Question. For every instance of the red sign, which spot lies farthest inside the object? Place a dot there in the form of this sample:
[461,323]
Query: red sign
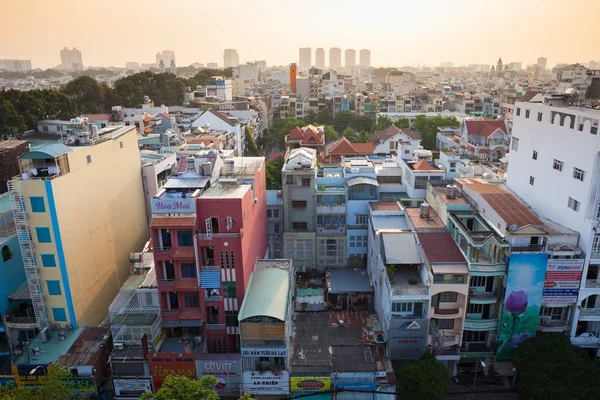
[312,385]
[163,365]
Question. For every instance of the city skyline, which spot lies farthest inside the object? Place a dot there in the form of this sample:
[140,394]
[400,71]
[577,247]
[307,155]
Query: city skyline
[521,43]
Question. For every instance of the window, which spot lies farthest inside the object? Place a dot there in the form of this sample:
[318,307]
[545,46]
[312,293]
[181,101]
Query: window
[531,180]
[299,226]
[229,290]
[43,235]
[59,314]
[407,151]
[191,300]
[305,181]
[89,159]
[578,174]
[188,270]
[54,288]
[48,260]
[269,214]
[276,228]
[362,219]
[7,253]
[298,204]
[37,204]
[475,309]
[573,204]
[289,180]
[402,307]
[448,297]
[443,323]
[475,336]
[184,238]
[480,281]
[557,165]
[389,179]
[515,144]
[352,241]
[540,117]
[121,144]
[518,111]
[554,313]
[275,213]
[535,154]
[527,113]
[231,318]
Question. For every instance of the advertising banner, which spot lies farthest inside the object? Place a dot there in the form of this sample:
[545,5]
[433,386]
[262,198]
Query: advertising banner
[264,352]
[407,338]
[563,277]
[173,206]
[521,308]
[310,383]
[29,374]
[266,383]
[132,387]
[354,385]
[227,368]
[163,365]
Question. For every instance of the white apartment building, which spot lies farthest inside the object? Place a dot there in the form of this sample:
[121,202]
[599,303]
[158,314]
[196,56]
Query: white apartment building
[350,58]
[305,59]
[247,72]
[70,59]
[335,58]
[231,58]
[555,167]
[320,58]
[365,58]
[16,65]
[220,87]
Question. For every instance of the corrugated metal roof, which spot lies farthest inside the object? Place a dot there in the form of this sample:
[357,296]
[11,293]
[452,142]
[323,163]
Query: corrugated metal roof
[50,150]
[187,181]
[400,248]
[450,269]
[348,280]
[172,222]
[267,295]
[439,247]
[357,180]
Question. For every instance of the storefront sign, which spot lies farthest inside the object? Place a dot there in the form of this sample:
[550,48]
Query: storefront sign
[266,383]
[354,385]
[563,277]
[227,368]
[310,383]
[24,376]
[132,387]
[163,365]
[264,352]
[407,338]
[81,386]
[173,206]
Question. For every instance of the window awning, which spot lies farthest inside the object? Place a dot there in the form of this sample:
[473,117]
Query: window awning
[365,180]
[450,269]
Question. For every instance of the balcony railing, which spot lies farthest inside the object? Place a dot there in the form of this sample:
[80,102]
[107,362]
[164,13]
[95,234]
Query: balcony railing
[166,281]
[589,312]
[215,327]
[210,268]
[170,312]
[212,299]
[476,295]
[206,236]
[550,323]
[481,324]
[592,283]
[20,319]
[529,248]
[445,313]
[162,249]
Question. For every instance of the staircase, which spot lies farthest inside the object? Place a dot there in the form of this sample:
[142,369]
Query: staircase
[17,202]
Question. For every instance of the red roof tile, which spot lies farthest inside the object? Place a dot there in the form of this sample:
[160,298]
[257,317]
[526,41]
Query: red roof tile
[311,137]
[412,134]
[344,146]
[423,166]
[485,128]
[296,133]
[439,247]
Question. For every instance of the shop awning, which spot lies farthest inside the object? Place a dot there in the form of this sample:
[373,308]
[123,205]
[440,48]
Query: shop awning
[450,269]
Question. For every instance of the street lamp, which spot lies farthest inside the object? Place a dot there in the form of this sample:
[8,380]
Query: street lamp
[479,361]
[33,371]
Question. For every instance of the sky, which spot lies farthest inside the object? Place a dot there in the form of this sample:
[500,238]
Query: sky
[398,32]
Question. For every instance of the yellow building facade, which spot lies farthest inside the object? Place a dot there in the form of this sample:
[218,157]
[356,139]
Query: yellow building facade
[86,214]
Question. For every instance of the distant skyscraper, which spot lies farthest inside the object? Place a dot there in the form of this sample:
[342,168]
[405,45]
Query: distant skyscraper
[172,67]
[335,57]
[132,65]
[70,59]
[17,65]
[365,58]
[212,65]
[350,58]
[158,59]
[231,58]
[166,56]
[542,61]
[305,61]
[320,58]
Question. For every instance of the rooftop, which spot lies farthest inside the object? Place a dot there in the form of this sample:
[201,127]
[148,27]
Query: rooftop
[440,247]
[385,206]
[400,248]
[389,223]
[267,295]
[87,348]
[348,280]
[50,351]
[424,223]
[226,190]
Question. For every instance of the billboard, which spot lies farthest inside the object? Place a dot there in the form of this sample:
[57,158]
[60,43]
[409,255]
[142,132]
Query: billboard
[173,206]
[310,383]
[563,277]
[163,365]
[523,299]
[266,383]
[227,368]
[407,338]
[131,387]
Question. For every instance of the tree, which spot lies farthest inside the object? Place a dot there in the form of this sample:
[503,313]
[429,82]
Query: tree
[427,127]
[183,388]
[382,123]
[343,120]
[550,368]
[402,123]
[54,386]
[350,135]
[273,173]
[11,122]
[363,137]
[87,93]
[424,379]
[325,117]
[311,117]
[251,148]
[330,134]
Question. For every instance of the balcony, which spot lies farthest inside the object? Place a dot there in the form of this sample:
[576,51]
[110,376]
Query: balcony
[204,237]
[481,324]
[550,325]
[213,299]
[168,253]
[210,268]
[493,270]
[589,314]
[592,284]
[167,285]
[15,319]
[331,208]
[446,313]
[186,283]
[532,248]
[215,327]
[477,297]
[332,229]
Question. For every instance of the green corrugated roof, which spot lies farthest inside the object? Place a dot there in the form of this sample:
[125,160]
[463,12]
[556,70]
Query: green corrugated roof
[50,150]
[267,295]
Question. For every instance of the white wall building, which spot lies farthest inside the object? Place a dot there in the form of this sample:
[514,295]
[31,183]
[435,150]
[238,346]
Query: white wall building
[246,72]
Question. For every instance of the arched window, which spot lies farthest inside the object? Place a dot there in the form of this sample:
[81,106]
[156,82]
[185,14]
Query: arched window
[7,253]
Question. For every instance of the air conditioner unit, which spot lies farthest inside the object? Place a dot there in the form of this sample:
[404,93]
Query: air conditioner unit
[118,346]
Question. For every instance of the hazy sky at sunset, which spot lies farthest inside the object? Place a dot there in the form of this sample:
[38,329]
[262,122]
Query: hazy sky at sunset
[398,32]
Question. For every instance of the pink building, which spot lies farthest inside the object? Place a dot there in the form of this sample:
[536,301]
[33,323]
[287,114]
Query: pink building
[209,226]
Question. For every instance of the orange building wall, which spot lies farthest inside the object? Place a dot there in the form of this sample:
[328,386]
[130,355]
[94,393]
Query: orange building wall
[293,74]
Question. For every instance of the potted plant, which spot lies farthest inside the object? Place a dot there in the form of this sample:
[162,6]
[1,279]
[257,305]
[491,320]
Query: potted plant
[390,269]
[413,281]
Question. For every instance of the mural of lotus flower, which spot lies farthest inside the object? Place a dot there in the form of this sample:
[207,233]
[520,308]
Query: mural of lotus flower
[516,302]
[518,339]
